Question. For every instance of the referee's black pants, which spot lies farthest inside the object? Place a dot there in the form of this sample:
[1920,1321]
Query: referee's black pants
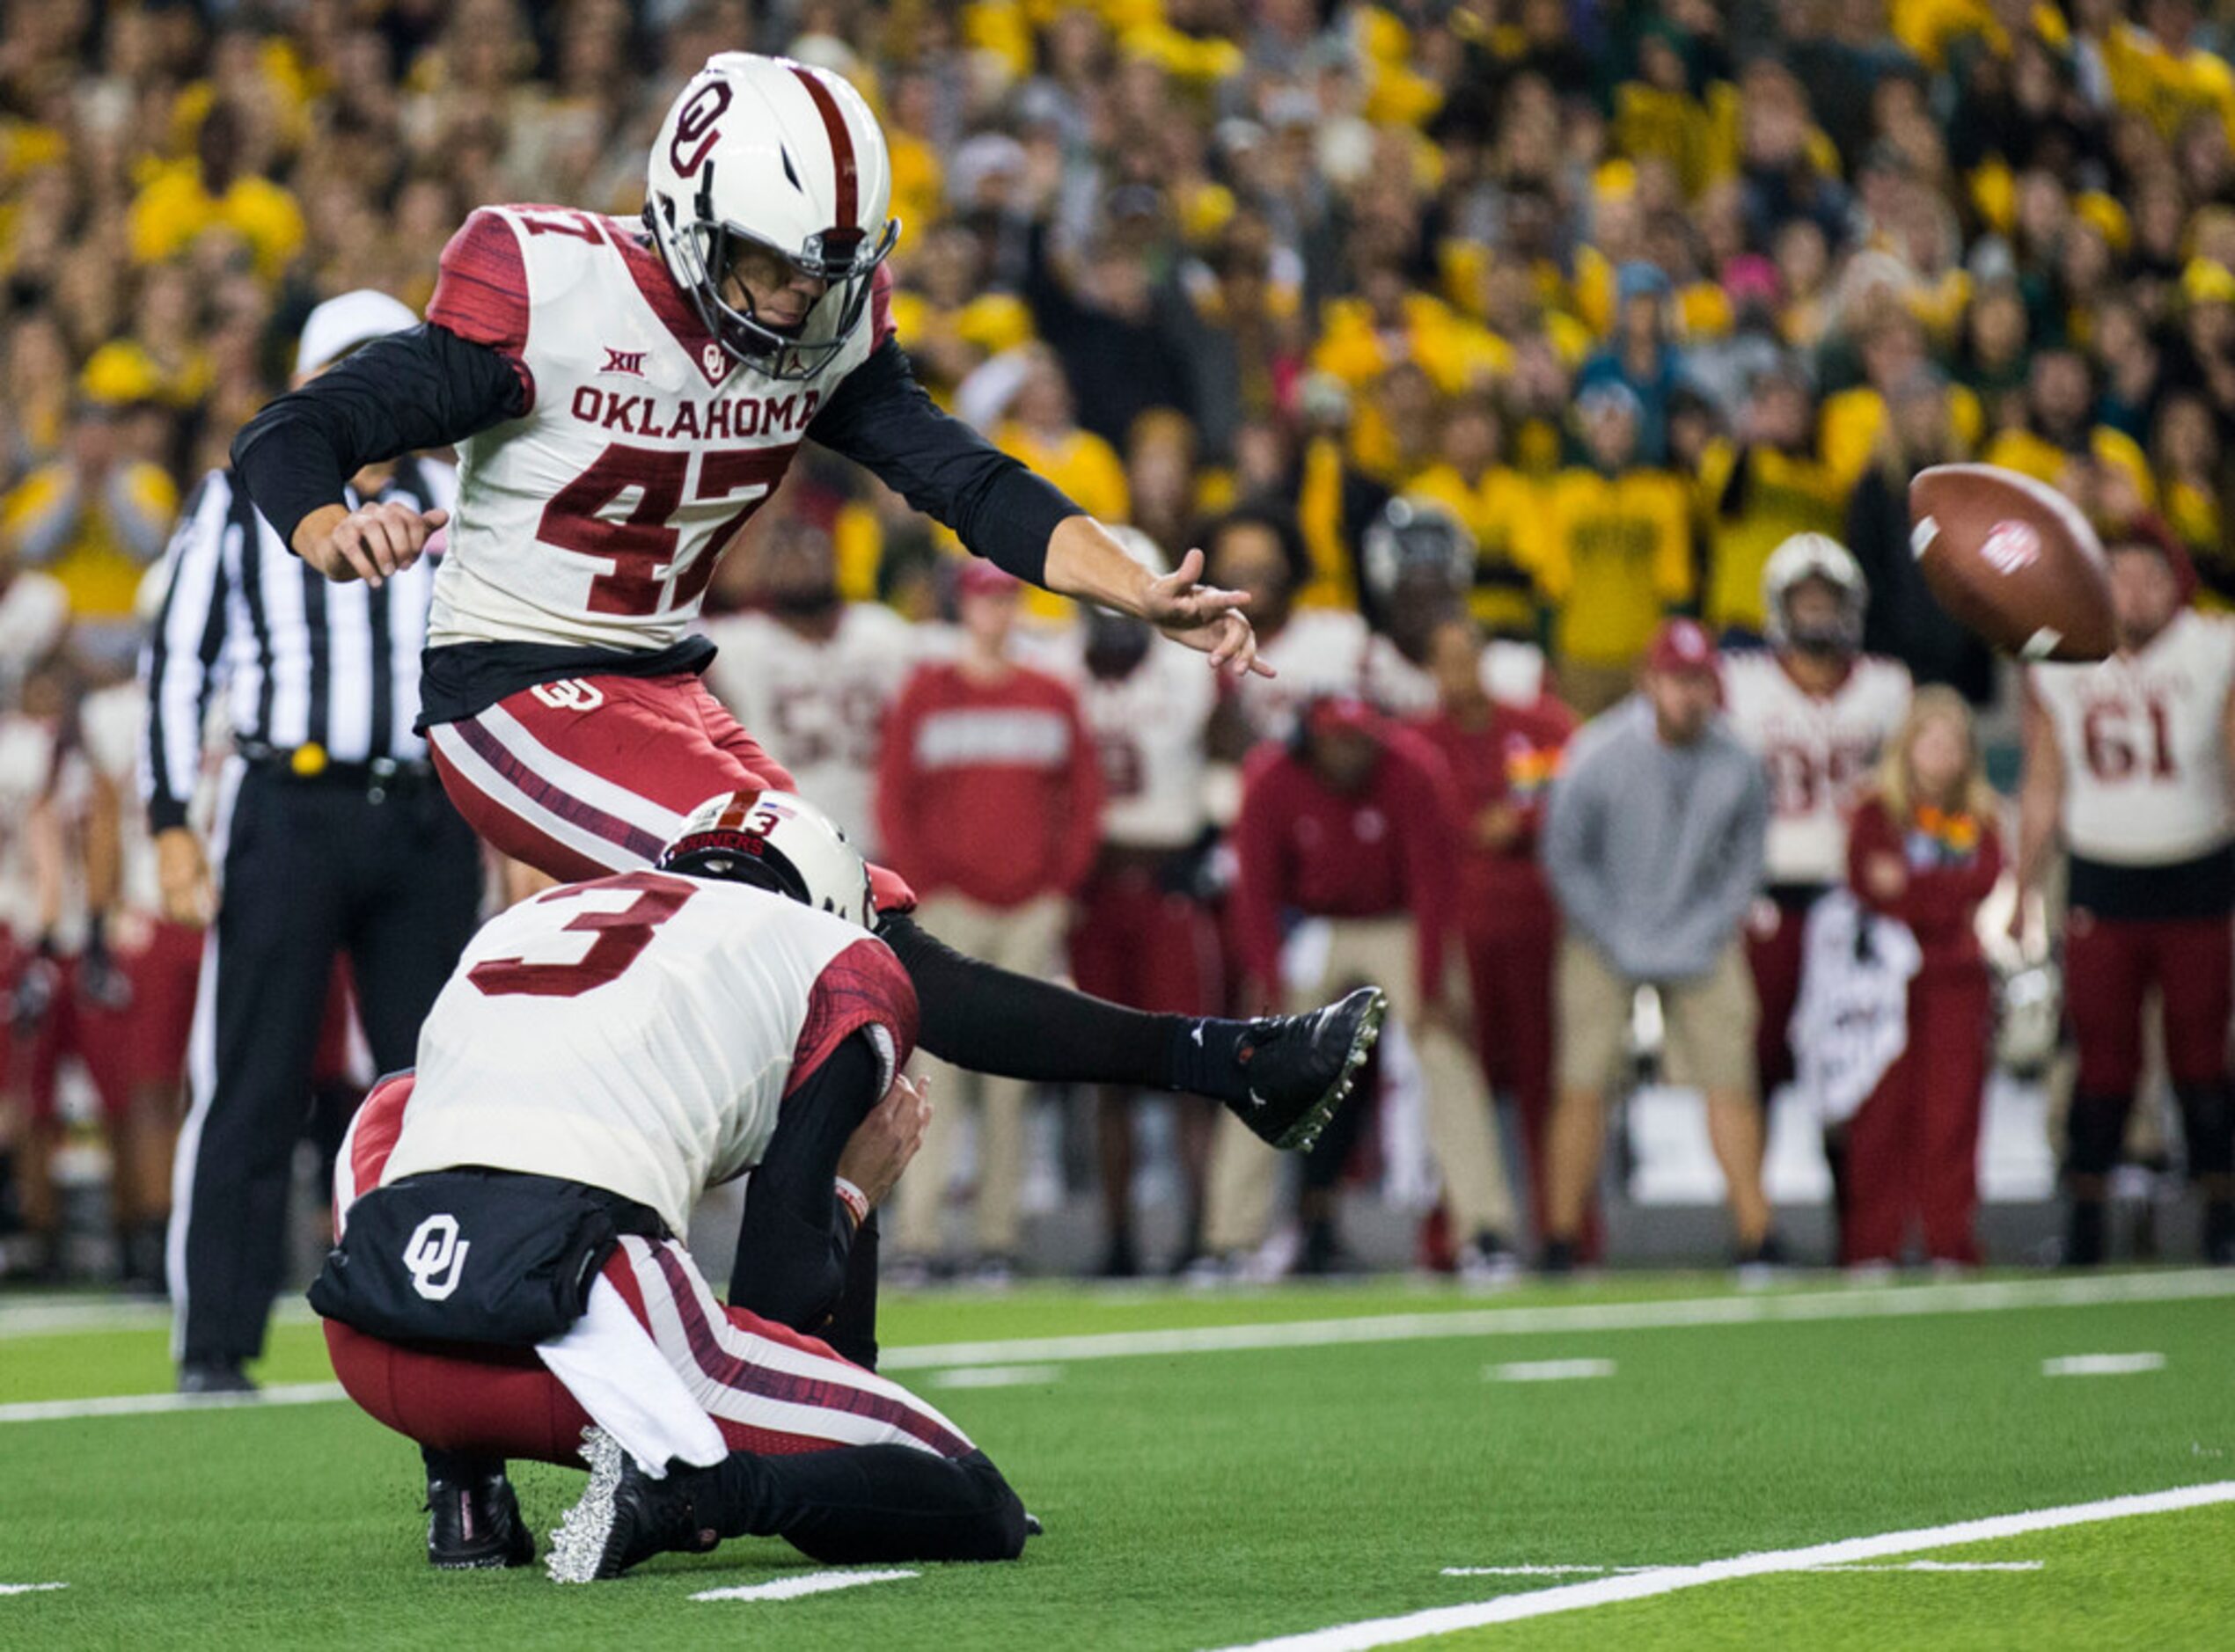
[312,868]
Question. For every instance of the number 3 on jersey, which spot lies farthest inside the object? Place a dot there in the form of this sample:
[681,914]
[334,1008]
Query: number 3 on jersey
[643,578]
[620,936]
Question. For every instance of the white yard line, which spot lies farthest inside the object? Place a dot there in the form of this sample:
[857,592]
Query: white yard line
[805,1583]
[68,1315]
[1548,1371]
[135,1405]
[2102,1364]
[1666,1580]
[1676,1313]
[1940,1566]
[1846,1302]
[995,1376]
[29,1588]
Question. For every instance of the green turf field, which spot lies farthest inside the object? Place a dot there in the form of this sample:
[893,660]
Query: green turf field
[1218,1470]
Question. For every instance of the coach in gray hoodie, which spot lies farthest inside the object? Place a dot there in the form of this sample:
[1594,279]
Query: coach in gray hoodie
[1653,847]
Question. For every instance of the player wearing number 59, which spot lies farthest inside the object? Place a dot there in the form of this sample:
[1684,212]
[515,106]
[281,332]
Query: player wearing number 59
[2130,762]
[623,396]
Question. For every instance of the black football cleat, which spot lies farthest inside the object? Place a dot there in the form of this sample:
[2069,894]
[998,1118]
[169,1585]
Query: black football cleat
[214,1376]
[1299,1068]
[625,1516]
[473,1521]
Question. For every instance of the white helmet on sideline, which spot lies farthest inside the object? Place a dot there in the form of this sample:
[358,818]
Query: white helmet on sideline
[1813,556]
[777,841]
[787,157]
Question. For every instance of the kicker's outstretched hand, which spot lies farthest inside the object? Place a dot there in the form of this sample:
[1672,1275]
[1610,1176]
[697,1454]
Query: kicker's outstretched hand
[1203,618]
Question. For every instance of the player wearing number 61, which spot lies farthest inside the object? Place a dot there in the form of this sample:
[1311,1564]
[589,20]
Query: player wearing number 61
[2130,764]
[623,396]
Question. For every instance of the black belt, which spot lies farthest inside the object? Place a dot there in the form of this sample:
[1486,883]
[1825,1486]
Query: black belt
[378,779]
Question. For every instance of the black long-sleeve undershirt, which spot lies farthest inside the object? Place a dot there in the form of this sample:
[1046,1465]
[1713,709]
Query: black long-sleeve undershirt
[797,1243]
[430,388]
[426,387]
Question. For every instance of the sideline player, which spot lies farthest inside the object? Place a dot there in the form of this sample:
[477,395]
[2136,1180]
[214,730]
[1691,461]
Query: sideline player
[623,398]
[536,1146]
[1816,710]
[2129,762]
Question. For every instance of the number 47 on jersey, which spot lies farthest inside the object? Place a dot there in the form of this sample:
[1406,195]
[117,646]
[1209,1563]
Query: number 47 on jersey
[644,577]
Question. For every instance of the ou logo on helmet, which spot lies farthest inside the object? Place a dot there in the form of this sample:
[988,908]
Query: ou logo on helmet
[694,124]
[435,1257]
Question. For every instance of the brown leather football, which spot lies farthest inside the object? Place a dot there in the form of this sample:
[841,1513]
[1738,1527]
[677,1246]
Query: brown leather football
[2013,559]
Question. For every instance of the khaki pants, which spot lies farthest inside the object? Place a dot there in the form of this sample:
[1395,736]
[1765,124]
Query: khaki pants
[1709,1021]
[1019,937]
[1461,1133]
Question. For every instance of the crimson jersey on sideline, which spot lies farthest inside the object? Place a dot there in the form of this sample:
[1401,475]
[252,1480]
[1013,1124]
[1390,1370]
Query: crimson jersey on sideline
[990,789]
[1385,850]
[1510,759]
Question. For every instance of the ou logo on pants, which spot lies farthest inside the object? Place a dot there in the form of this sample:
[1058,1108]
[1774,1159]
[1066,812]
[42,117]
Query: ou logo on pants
[569,694]
[435,1256]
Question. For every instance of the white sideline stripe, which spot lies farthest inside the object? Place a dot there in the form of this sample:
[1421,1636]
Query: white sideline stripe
[1887,1302]
[806,1583]
[29,1588]
[1594,1571]
[134,1405]
[1538,1571]
[64,1315]
[1846,1302]
[1548,1371]
[2102,1364]
[1940,1566]
[995,1376]
[1668,1580]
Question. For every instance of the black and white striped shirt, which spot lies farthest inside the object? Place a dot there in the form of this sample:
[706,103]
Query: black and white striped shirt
[303,662]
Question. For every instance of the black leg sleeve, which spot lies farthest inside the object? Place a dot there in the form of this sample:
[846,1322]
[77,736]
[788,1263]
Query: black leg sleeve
[794,1245]
[991,1020]
[866,1503]
[2208,1123]
[2095,1131]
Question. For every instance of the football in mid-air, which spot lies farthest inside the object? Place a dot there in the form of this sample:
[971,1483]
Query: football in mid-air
[2013,559]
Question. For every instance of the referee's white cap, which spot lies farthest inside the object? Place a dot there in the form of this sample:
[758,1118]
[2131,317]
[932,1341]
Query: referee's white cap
[341,325]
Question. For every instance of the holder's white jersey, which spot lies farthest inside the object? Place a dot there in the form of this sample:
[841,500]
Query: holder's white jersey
[638,1032]
[1817,749]
[818,704]
[1148,728]
[595,518]
[2143,742]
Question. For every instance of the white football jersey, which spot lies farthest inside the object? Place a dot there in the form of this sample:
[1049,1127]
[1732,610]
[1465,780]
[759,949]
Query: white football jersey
[1148,728]
[1512,673]
[1319,651]
[595,518]
[2146,756]
[638,1034]
[818,704]
[113,722]
[1817,749]
[28,762]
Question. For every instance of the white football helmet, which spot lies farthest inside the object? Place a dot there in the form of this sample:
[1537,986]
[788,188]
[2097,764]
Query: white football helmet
[788,157]
[1813,556]
[779,841]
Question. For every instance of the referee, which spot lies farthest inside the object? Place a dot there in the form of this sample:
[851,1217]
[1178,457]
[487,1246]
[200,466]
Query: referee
[332,836]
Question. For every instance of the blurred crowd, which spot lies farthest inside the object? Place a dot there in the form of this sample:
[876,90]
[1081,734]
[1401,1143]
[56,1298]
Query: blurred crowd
[1475,340]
